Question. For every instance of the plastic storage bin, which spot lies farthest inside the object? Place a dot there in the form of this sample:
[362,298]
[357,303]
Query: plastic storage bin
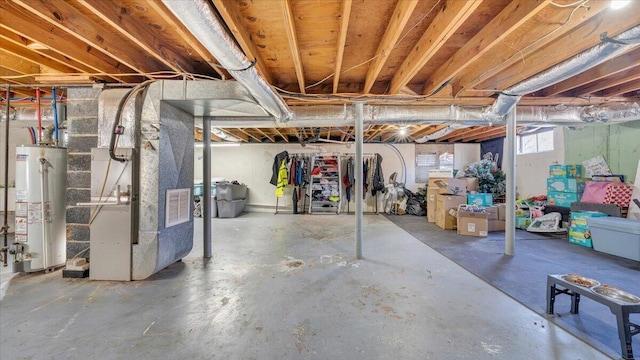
[230,209]
[616,236]
[229,192]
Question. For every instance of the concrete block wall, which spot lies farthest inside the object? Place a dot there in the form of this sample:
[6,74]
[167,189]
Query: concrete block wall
[82,128]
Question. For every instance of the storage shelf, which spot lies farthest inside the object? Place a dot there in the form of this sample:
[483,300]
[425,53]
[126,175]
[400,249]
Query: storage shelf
[319,203]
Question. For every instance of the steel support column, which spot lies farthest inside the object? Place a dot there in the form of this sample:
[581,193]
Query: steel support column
[206,171]
[510,170]
[359,106]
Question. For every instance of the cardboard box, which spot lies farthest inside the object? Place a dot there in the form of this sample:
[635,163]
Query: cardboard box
[497,225]
[569,171]
[452,186]
[473,223]
[472,183]
[562,199]
[444,218]
[432,198]
[481,199]
[432,182]
[492,211]
[579,218]
[502,211]
[447,220]
[570,185]
[580,235]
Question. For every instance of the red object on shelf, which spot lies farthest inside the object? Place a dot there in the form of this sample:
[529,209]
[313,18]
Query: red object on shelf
[619,194]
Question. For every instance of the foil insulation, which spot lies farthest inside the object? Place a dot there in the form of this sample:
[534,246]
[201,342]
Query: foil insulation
[200,19]
[572,67]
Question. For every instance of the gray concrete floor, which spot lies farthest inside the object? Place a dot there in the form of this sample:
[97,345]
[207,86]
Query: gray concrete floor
[282,287]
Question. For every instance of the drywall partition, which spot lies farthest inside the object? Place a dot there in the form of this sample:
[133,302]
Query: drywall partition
[251,164]
[533,169]
[619,144]
[465,154]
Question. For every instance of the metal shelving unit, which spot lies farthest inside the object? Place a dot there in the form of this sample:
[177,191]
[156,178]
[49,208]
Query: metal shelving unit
[325,189]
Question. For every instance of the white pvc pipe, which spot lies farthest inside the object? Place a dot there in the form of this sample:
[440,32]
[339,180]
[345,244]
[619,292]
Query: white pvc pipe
[510,170]
[359,106]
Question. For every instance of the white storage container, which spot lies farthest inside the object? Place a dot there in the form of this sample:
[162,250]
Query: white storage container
[230,209]
[228,191]
[616,236]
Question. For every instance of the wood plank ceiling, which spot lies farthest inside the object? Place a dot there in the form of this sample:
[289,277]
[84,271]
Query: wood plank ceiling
[427,52]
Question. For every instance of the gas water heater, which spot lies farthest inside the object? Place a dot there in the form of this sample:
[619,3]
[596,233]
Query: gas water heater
[40,211]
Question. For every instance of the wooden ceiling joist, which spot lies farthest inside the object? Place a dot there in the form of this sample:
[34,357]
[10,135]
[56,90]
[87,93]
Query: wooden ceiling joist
[242,36]
[554,24]
[342,39]
[626,76]
[451,16]
[630,86]
[581,39]
[186,36]
[508,21]
[399,19]
[612,67]
[458,134]
[284,137]
[264,133]
[485,133]
[293,44]
[250,133]
[73,22]
[19,65]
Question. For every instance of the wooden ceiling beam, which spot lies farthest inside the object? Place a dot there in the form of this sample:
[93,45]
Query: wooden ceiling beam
[263,133]
[235,134]
[234,22]
[293,43]
[461,135]
[622,63]
[285,138]
[399,19]
[609,82]
[374,132]
[70,20]
[15,77]
[17,64]
[57,40]
[428,130]
[198,134]
[138,33]
[12,43]
[492,34]
[581,39]
[554,24]
[246,131]
[451,16]
[342,40]
[486,133]
[632,85]
[187,36]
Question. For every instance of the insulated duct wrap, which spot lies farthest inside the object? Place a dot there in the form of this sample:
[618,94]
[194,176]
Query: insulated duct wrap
[572,67]
[30,113]
[199,18]
[340,115]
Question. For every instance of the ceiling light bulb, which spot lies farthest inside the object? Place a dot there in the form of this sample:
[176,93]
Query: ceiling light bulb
[403,131]
[619,4]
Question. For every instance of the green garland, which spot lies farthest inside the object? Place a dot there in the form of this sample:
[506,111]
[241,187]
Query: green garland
[490,179]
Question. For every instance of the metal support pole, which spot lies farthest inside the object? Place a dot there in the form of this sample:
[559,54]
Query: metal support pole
[5,226]
[206,170]
[510,170]
[359,106]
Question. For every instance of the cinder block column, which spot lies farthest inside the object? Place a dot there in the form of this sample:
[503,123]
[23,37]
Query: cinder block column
[82,128]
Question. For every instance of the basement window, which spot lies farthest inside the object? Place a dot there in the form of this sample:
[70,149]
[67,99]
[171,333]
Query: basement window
[535,143]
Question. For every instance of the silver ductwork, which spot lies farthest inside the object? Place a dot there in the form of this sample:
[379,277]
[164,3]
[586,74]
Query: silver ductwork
[199,18]
[587,59]
[342,115]
[30,113]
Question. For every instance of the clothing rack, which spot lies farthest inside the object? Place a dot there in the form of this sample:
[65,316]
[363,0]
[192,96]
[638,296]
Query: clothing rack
[366,156]
[303,187]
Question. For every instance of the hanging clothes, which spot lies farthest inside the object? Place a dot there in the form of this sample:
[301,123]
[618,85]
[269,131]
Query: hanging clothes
[378,178]
[295,201]
[365,171]
[283,177]
[277,161]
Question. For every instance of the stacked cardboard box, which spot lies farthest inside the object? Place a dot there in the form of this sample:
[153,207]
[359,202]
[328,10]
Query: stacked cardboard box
[564,184]
[446,208]
[579,232]
[482,220]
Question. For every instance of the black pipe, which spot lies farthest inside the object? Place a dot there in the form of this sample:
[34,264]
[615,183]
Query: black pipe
[116,122]
[5,227]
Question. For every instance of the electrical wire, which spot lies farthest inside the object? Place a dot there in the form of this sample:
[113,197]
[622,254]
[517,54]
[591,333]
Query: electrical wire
[377,55]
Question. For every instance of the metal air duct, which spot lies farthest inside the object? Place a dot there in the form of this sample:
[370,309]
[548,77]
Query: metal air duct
[609,48]
[199,18]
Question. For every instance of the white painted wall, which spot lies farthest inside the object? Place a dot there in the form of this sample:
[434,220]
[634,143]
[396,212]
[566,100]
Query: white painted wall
[532,170]
[465,154]
[18,135]
[251,164]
